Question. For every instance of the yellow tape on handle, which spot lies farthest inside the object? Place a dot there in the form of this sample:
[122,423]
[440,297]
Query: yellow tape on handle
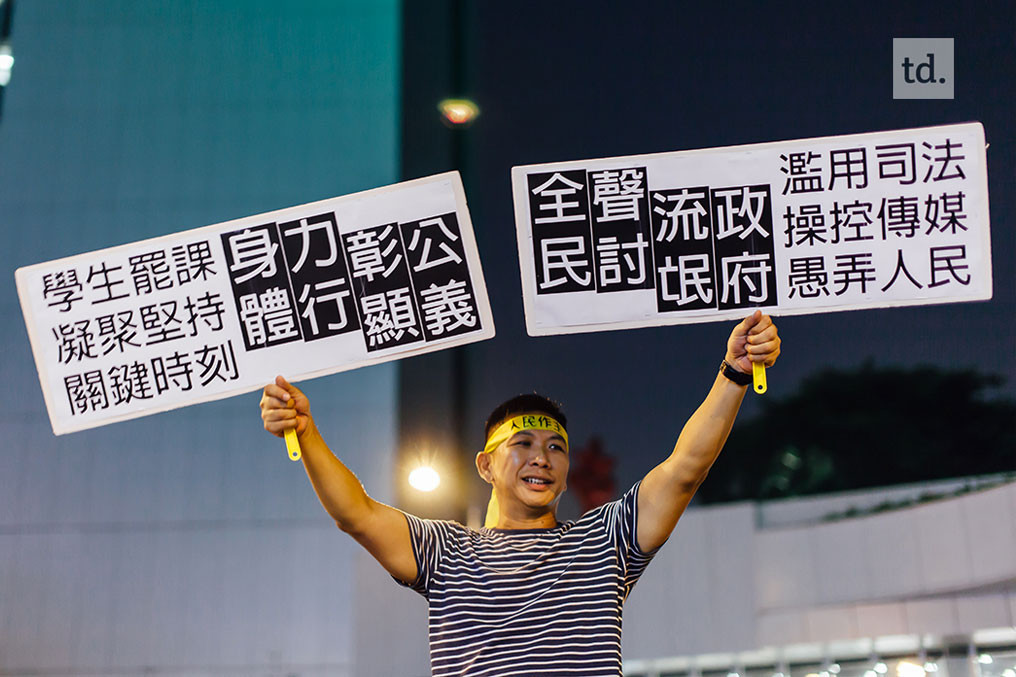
[293,445]
[758,377]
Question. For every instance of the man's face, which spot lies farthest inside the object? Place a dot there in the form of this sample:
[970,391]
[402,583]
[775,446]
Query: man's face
[530,470]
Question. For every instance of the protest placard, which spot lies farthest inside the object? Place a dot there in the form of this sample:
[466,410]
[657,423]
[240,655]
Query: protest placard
[216,311]
[884,219]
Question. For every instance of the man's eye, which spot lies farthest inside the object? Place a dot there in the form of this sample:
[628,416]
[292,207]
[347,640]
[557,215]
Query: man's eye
[524,443]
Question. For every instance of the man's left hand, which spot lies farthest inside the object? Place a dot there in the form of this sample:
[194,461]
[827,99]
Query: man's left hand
[754,339]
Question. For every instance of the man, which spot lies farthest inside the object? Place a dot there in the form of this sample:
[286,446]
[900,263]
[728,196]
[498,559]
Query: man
[527,595]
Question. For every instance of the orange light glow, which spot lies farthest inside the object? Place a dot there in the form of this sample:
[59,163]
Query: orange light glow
[458,112]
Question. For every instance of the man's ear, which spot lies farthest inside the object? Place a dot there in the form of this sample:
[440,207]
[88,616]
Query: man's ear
[483,467]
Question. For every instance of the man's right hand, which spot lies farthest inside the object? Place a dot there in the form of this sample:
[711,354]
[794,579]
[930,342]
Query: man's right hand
[284,407]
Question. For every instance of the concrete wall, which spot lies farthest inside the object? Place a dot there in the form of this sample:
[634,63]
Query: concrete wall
[721,585]
[944,568]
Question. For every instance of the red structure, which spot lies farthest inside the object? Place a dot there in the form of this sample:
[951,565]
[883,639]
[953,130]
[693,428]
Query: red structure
[592,475]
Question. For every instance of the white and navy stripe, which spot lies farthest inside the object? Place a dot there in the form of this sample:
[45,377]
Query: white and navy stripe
[529,602]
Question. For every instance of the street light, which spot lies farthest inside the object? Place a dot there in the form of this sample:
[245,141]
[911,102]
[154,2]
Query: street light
[424,478]
[6,64]
[458,112]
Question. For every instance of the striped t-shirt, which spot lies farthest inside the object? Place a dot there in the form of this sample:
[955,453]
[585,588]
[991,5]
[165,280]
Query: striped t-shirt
[529,602]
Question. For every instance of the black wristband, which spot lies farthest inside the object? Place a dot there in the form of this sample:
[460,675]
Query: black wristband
[731,374]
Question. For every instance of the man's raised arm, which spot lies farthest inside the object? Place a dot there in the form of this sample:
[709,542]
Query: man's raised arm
[668,488]
[379,528]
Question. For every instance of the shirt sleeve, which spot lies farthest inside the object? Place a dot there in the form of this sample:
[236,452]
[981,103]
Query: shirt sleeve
[430,540]
[620,518]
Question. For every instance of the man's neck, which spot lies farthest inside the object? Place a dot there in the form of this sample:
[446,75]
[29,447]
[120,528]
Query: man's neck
[546,520]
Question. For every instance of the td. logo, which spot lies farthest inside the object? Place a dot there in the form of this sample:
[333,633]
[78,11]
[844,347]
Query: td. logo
[923,68]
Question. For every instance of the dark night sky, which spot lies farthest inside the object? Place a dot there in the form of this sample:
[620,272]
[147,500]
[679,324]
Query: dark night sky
[576,80]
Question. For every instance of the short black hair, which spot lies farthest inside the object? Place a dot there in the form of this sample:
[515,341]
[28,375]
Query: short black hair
[523,404]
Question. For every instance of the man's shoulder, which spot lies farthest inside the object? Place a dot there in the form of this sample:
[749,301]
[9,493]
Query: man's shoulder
[447,526]
[602,512]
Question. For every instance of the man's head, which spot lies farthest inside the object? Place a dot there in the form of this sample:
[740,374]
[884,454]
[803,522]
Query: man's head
[525,459]
[524,404]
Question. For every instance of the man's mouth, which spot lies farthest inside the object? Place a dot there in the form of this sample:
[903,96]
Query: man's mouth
[537,481]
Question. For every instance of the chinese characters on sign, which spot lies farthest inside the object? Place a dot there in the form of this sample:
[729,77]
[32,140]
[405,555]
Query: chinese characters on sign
[153,320]
[216,311]
[870,220]
[404,283]
[918,214]
[592,230]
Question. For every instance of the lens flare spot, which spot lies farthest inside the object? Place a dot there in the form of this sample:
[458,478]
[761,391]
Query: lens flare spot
[424,478]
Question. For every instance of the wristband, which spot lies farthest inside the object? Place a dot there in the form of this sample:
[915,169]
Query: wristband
[731,374]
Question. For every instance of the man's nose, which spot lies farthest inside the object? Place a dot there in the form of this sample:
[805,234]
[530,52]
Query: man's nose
[539,457]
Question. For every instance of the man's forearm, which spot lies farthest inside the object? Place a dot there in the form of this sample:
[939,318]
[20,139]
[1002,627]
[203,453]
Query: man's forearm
[704,434]
[338,489]
[669,487]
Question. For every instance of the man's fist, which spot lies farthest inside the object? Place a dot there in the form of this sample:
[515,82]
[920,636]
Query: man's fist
[754,339]
[284,407]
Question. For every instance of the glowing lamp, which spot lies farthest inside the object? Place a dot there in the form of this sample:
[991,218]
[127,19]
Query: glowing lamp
[909,669]
[424,478]
[6,63]
[458,112]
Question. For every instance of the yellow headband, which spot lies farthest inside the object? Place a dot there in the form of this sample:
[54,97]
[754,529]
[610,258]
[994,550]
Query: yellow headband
[526,422]
[505,431]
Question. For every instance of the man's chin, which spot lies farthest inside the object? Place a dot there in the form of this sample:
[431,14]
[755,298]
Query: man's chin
[539,491]
[539,499]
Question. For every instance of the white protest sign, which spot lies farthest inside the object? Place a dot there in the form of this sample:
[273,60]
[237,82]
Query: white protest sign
[220,310]
[875,220]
